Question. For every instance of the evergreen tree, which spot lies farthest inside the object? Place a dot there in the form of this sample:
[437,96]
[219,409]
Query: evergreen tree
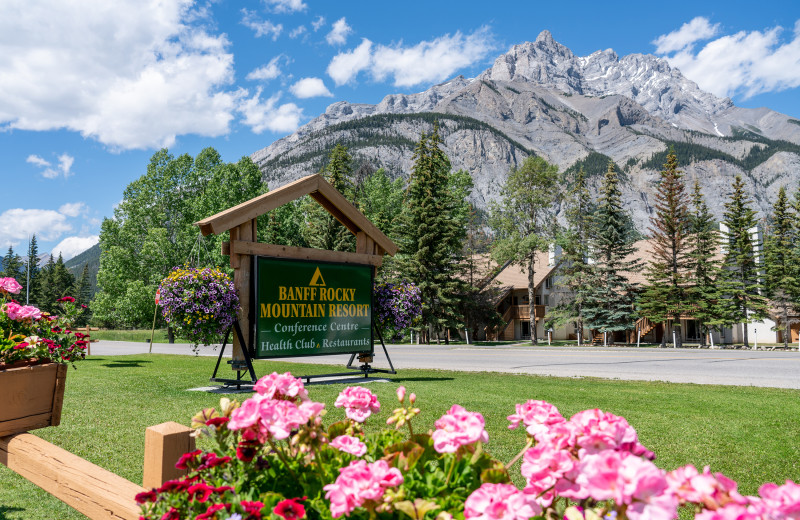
[46,286]
[523,220]
[13,267]
[609,303]
[574,271]
[665,296]
[431,238]
[32,271]
[782,266]
[743,301]
[323,230]
[83,287]
[704,265]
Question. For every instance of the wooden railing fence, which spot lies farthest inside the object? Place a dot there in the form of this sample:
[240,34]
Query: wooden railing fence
[88,488]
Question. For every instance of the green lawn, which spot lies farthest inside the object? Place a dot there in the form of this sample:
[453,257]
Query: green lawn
[750,434]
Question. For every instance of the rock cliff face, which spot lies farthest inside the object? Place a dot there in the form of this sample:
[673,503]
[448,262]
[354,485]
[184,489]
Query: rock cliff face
[539,98]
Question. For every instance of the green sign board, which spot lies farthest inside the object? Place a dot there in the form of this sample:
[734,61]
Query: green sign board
[308,308]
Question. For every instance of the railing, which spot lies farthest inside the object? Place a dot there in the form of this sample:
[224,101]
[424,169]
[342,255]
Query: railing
[523,312]
[90,489]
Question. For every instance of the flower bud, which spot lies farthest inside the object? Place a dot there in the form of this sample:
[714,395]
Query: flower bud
[401,393]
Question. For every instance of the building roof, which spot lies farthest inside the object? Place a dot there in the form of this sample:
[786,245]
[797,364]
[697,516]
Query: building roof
[513,277]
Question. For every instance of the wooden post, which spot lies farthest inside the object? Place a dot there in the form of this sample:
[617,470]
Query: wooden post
[90,489]
[163,446]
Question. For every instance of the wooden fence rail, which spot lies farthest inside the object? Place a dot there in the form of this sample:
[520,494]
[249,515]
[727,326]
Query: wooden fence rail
[86,487]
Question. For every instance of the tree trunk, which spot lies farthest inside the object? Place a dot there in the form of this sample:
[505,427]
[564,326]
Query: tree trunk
[787,329]
[170,335]
[678,341]
[532,300]
[580,330]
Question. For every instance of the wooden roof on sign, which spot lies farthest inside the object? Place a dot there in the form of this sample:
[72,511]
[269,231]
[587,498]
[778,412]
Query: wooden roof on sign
[313,185]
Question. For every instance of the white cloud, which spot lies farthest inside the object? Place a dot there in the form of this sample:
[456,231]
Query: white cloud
[338,35]
[73,246]
[430,61]
[260,116]
[18,224]
[266,72]
[64,168]
[318,23]
[286,6]
[697,30]
[153,75]
[72,209]
[261,27]
[743,64]
[345,66]
[298,31]
[425,62]
[310,87]
[38,161]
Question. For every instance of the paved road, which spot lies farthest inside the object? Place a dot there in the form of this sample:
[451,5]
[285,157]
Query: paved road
[723,367]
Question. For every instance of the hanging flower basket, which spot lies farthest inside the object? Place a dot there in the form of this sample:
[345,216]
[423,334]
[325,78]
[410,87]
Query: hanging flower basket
[199,304]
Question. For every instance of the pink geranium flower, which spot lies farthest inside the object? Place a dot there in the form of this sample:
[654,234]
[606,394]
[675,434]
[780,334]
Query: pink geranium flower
[18,312]
[537,416]
[350,445]
[9,285]
[358,483]
[358,402]
[500,502]
[781,501]
[457,428]
[281,386]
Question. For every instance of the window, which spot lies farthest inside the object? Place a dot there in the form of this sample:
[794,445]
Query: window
[548,282]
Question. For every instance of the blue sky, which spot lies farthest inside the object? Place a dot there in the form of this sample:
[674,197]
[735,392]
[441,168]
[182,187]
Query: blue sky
[89,89]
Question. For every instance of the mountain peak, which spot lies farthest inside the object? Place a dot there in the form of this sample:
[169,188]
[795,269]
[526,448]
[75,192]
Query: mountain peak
[545,37]
[646,79]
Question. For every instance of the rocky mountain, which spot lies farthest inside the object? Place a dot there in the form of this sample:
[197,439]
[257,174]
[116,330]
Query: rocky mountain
[539,98]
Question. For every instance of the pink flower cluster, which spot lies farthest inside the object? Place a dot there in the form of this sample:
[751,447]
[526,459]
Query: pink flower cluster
[9,285]
[500,502]
[358,402]
[361,483]
[348,444]
[17,312]
[457,428]
[281,386]
[720,500]
[273,413]
[593,455]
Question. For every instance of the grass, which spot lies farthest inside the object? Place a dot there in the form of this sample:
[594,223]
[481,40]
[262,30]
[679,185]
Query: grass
[750,434]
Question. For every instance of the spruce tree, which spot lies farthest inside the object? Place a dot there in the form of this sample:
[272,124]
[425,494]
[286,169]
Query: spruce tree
[665,296]
[609,305]
[781,265]
[13,268]
[574,270]
[704,266]
[32,270]
[431,238]
[323,230]
[524,220]
[741,283]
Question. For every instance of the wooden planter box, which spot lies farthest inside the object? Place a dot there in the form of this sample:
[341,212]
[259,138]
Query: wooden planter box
[31,397]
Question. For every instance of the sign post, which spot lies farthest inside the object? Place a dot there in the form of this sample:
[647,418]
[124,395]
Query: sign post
[300,301]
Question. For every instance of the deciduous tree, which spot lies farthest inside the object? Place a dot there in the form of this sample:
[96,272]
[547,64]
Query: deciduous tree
[523,220]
